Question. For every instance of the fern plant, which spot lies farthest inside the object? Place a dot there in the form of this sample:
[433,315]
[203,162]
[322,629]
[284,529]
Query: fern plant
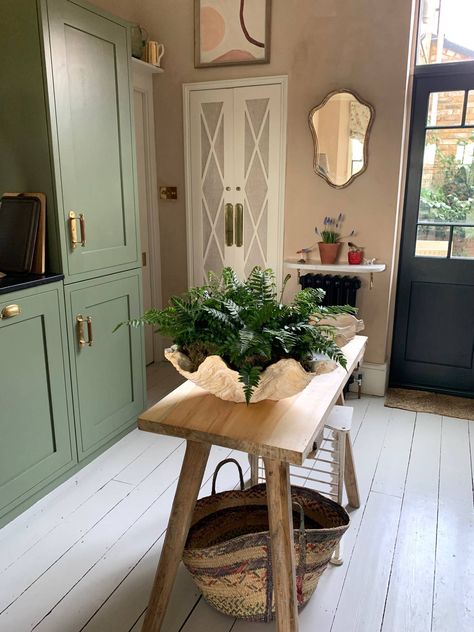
[246,324]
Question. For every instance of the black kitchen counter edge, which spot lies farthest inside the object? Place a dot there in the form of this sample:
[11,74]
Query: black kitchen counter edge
[16,282]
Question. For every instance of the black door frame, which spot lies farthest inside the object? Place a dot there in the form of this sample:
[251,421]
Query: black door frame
[449,76]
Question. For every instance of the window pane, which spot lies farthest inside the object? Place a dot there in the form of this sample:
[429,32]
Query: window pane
[470,109]
[432,241]
[447,187]
[463,243]
[445,108]
[445,32]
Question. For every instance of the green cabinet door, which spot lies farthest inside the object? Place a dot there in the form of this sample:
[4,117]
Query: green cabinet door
[36,440]
[107,367]
[92,123]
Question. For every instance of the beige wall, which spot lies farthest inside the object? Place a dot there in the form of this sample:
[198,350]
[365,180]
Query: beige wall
[321,45]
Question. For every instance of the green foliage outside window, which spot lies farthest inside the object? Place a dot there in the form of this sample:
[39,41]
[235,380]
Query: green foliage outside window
[450,198]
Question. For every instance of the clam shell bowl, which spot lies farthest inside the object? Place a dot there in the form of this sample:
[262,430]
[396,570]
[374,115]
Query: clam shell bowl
[283,379]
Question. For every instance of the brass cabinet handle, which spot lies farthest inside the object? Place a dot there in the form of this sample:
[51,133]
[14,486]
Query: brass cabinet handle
[73,218]
[80,320]
[239,225]
[80,330]
[82,224]
[89,331]
[229,224]
[10,311]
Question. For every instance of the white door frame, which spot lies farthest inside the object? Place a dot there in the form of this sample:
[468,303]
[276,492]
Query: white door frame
[143,83]
[188,88]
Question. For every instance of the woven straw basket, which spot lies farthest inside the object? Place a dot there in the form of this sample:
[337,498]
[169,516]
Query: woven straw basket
[228,551]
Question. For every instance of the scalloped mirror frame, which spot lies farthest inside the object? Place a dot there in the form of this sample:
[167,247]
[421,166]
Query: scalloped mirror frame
[366,140]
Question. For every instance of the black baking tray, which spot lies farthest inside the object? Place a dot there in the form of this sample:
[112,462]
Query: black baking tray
[19,219]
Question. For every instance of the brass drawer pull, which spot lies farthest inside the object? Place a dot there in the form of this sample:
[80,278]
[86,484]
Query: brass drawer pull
[239,225]
[73,218]
[229,224]
[80,320]
[10,311]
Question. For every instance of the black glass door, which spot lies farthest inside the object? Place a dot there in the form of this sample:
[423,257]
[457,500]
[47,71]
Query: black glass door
[433,346]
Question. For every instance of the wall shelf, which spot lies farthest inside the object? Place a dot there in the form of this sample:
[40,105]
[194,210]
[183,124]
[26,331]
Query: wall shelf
[370,268]
[143,65]
[339,268]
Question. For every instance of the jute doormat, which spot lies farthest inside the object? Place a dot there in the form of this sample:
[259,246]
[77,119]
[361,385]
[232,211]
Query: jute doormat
[424,402]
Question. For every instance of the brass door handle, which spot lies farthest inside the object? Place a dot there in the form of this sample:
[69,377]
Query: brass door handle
[73,218]
[239,225]
[229,224]
[10,311]
[80,320]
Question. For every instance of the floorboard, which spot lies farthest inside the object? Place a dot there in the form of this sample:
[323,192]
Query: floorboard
[83,558]
[454,574]
[410,595]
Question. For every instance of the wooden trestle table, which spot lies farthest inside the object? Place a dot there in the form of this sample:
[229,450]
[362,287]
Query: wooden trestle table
[282,432]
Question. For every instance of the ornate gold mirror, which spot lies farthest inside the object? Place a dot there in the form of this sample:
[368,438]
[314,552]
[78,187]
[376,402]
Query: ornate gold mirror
[341,126]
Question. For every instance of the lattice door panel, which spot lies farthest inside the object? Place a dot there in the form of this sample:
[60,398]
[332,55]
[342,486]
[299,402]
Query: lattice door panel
[258,154]
[212,174]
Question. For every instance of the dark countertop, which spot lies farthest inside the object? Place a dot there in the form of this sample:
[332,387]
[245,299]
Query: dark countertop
[16,282]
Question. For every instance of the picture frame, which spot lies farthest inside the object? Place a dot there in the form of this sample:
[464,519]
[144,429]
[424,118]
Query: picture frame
[231,32]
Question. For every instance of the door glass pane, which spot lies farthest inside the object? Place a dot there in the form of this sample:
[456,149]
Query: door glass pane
[445,31]
[447,187]
[432,241]
[470,108]
[463,243]
[445,108]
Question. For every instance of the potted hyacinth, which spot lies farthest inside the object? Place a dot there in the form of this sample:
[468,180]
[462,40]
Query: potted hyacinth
[330,242]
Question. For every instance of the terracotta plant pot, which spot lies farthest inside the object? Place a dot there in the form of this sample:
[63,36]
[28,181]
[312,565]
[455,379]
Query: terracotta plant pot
[355,257]
[329,253]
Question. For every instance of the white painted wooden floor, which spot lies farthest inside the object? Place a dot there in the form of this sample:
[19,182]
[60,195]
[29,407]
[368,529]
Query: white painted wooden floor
[83,558]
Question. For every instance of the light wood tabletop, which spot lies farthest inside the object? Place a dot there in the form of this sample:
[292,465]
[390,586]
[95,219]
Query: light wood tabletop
[282,432]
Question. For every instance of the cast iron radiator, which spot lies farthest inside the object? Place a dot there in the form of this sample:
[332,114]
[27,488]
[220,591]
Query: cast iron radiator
[339,290]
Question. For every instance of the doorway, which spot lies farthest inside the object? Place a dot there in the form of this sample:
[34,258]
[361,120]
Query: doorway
[147,192]
[433,346]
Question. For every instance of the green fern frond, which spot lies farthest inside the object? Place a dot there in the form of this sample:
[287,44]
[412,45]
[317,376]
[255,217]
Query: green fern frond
[230,279]
[233,309]
[218,315]
[249,376]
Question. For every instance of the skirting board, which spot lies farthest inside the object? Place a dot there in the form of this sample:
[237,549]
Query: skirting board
[374,379]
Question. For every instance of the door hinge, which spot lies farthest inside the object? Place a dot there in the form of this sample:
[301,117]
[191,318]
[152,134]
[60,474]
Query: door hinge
[144,259]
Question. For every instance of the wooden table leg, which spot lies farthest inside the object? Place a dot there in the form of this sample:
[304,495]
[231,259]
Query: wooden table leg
[192,472]
[253,460]
[283,552]
[350,478]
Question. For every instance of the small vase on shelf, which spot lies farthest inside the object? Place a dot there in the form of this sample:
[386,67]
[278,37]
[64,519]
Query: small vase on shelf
[329,253]
[355,254]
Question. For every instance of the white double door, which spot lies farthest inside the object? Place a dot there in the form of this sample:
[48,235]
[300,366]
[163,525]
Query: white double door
[236,160]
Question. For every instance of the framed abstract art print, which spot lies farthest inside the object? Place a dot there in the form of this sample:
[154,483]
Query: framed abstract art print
[231,32]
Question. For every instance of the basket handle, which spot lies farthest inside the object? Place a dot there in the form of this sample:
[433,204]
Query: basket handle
[301,510]
[241,474]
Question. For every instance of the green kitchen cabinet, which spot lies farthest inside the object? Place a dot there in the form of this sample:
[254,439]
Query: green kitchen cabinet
[89,76]
[37,441]
[66,124]
[107,366]
[67,130]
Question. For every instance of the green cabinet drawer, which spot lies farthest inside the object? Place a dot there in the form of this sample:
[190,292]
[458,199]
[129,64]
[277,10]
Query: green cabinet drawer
[36,439]
[94,159]
[107,367]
